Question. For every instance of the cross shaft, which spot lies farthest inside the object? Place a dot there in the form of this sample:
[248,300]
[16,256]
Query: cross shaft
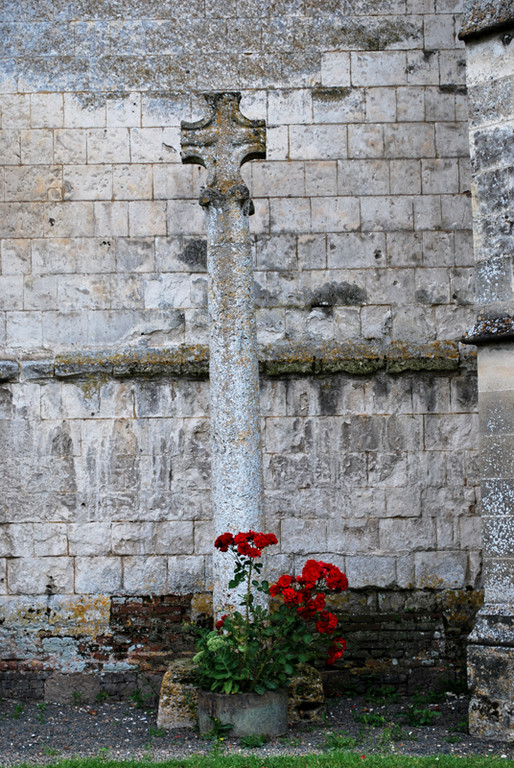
[222,142]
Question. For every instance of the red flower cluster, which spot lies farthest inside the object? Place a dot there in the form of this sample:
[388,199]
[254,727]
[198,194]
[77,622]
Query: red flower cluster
[326,623]
[221,622]
[336,650]
[249,544]
[302,593]
[313,570]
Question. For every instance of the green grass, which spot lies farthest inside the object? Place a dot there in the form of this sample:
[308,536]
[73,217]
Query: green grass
[331,760]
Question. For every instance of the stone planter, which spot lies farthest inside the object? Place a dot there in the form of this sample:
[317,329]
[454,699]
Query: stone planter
[249,713]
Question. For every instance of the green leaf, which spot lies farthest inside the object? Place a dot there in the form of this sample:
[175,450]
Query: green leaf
[307,638]
[227,686]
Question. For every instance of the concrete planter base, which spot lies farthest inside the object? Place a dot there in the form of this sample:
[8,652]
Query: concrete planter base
[249,713]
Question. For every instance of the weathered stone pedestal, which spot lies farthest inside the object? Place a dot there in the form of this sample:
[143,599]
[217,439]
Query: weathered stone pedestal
[488,30]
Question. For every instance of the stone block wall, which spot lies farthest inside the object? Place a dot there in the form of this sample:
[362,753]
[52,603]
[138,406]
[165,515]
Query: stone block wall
[363,278]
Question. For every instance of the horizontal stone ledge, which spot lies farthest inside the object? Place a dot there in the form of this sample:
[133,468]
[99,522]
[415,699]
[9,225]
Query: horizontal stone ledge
[489,330]
[9,370]
[282,359]
[483,17]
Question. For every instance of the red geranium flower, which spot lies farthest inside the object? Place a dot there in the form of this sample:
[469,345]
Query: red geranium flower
[336,650]
[311,572]
[284,581]
[326,623]
[262,540]
[220,623]
[224,541]
[336,580]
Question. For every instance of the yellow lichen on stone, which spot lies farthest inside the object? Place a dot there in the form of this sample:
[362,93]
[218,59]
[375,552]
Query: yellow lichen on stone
[178,697]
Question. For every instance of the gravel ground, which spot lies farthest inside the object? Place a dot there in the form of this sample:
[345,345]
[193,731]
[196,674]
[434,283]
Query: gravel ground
[40,734]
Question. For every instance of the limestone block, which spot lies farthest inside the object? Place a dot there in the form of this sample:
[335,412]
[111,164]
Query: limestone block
[286,177]
[186,574]
[50,539]
[172,181]
[172,290]
[38,576]
[439,106]
[32,183]
[11,292]
[78,114]
[317,142]
[108,145]
[441,570]
[10,146]
[147,218]
[164,110]
[24,329]
[289,214]
[407,535]
[321,179]
[70,145]
[15,110]
[498,579]
[178,696]
[16,540]
[98,575]
[53,256]
[405,177]
[451,140]
[363,177]
[410,104]
[88,182]
[184,217]
[174,538]
[144,575]
[303,536]
[335,69]
[89,538]
[292,106]
[46,110]
[353,537]
[422,69]
[155,145]
[371,570]
[15,257]
[491,674]
[203,537]
[488,59]
[277,142]
[386,213]
[378,68]
[336,214]
[125,111]
[36,147]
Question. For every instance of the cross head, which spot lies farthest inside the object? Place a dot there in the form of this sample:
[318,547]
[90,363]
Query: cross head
[223,140]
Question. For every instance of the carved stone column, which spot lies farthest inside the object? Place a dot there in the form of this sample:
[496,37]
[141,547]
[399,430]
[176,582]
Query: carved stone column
[488,30]
[222,142]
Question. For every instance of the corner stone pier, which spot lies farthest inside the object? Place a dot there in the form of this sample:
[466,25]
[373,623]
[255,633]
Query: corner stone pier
[222,142]
[488,31]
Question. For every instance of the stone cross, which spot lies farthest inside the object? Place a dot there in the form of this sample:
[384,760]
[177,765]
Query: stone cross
[222,141]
